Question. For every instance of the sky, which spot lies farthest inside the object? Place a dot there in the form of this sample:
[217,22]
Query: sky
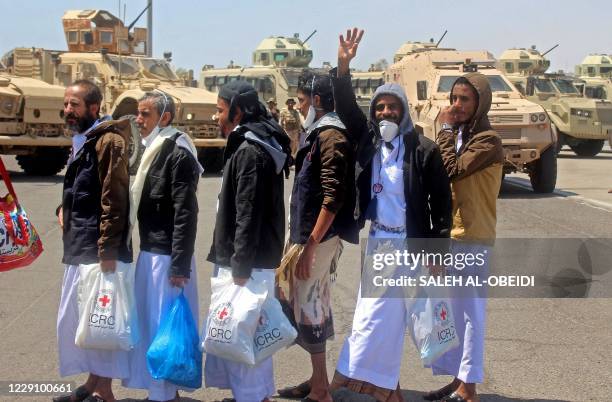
[215,32]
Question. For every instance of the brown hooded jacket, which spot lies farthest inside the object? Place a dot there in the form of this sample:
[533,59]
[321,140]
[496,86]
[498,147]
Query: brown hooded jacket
[475,170]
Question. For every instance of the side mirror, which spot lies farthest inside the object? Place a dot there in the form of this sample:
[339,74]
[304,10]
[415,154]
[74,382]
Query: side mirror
[422,90]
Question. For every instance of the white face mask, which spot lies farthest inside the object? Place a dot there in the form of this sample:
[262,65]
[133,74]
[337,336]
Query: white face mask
[388,130]
[310,117]
[146,141]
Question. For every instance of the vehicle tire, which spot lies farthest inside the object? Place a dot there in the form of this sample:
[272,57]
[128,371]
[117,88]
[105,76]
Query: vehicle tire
[587,147]
[543,176]
[45,161]
[135,147]
[211,159]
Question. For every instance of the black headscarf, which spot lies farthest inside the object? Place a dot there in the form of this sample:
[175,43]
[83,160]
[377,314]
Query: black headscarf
[256,118]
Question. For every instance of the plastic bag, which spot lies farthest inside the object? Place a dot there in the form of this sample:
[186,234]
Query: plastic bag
[174,354]
[232,319]
[433,328]
[274,330]
[107,308]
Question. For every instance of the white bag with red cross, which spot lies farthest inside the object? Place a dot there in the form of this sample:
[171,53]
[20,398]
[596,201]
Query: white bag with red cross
[107,308]
[433,328]
[232,319]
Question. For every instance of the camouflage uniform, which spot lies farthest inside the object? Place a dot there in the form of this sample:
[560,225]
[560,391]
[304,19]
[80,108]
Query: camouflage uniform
[290,121]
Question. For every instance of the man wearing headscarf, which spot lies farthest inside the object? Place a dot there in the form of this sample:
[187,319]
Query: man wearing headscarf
[322,206]
[473,157]
[404,191]
[164,202]
[250,226]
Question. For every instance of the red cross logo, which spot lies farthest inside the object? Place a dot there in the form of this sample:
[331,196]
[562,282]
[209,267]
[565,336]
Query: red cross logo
[223,313]
[104,301]
[443,314]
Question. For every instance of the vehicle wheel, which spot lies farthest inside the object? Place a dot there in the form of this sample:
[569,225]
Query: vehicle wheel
[544,173]
[45,161]
[587,147]
[135,147]
[211,159]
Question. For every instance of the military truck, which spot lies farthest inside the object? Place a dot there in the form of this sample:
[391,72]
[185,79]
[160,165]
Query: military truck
[595,71]
[427,75]
[364,85]
[278,62]
[32,124]
[102,49]
[581,123]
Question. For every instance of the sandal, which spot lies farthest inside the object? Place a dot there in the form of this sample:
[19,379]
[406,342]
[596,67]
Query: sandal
[440,393]
[300,391]
[79,394]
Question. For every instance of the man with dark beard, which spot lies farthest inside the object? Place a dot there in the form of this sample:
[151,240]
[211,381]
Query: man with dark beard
[94,219]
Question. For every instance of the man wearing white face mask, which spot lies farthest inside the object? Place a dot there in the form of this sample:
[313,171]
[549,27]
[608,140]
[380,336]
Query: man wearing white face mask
[163,201]
[404,191]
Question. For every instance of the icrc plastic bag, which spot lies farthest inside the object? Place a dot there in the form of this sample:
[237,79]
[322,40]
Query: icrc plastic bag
[107,308]
[433,328]
[274,330]
[232,319]
[174,354]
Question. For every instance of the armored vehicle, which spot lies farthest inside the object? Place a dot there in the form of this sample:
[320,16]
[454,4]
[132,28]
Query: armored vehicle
[596,75]
[103,50]
[595,71]
[581,123]
[427,75]
[32,124]
[364,85]
[278,62]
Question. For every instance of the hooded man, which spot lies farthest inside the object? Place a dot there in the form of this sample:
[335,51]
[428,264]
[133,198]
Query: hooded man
[164,201]
[322,205]
[94,221]
[473,157]
[250,226]
[404,191]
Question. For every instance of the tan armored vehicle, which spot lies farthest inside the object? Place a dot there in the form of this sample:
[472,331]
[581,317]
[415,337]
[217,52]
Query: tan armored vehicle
[364,85]
[102,49]
[581,123]
[278,62]
[32,124]
[427,75]
[596,75]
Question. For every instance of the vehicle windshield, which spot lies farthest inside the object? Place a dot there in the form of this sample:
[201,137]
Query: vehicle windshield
[565,86]
[291,76]
[544,85]
[497,83]
[159,68]
[129,66]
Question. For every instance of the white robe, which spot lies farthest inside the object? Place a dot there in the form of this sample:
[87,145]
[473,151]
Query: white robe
[373,350]
[154,295]
[72,359]
[248,384]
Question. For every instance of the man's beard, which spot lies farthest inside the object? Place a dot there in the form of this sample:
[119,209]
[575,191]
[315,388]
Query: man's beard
[83,123]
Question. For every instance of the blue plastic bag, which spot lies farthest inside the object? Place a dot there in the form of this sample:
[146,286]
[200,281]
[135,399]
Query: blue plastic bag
[175,355]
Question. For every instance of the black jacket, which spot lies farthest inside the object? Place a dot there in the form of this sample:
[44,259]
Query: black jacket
[250,227]
[426,184]
[168,209]
[95,198]
[324,178]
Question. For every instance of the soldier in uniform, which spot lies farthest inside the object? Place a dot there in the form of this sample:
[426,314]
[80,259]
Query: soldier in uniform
[290,122]
[272,108]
